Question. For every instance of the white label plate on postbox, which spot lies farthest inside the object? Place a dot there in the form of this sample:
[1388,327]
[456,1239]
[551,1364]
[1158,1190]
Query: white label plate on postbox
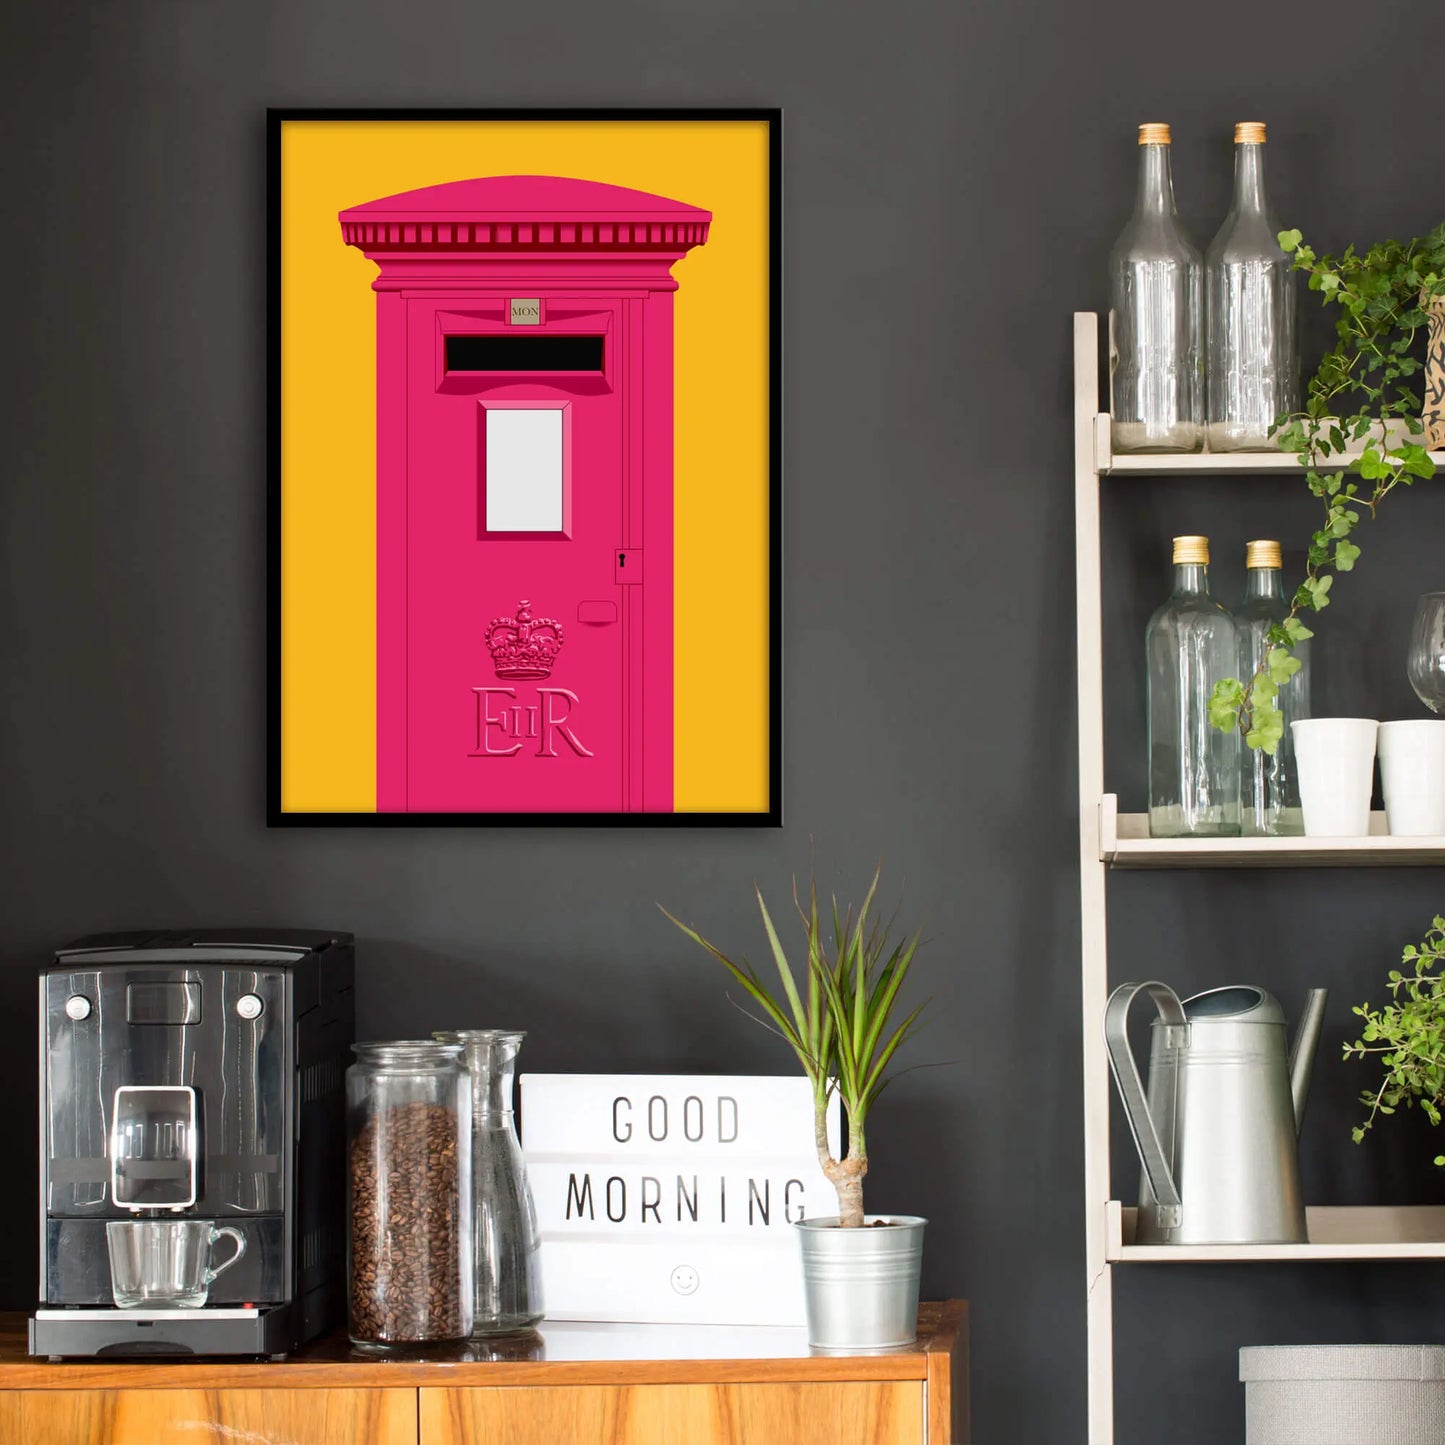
[525,311]
[670,1198]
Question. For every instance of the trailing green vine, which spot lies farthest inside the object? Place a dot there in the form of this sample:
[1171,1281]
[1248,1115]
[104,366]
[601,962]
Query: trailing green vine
[1408,1035]
[1383,296]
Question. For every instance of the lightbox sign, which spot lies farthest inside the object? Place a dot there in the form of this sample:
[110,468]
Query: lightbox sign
[670,1198]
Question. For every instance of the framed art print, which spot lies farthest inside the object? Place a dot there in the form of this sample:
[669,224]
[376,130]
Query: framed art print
[524,492]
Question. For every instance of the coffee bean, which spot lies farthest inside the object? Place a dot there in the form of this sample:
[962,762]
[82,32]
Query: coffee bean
[406,1226]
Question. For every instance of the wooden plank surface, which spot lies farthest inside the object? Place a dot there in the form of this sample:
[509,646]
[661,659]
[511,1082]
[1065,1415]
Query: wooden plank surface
[208,1417]
[871,1412]
[948,1398]
[623,1356]
[1124,842]
[1221,464]
[1336,1232]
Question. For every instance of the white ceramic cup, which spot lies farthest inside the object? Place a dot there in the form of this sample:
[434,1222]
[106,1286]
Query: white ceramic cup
[1336,761]
[1412,773]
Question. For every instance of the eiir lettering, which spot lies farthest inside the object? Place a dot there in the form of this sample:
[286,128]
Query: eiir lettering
[540,720]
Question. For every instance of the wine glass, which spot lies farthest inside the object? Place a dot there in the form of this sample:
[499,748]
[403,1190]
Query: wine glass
[1427,651]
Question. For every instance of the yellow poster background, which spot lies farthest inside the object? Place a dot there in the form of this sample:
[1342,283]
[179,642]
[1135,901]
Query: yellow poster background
[328,432]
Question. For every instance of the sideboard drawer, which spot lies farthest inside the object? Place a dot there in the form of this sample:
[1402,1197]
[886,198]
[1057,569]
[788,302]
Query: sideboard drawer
[825,1412]
[207,1417]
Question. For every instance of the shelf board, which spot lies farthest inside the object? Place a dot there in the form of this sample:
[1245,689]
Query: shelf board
[1219,464]
[1335,1233]
[1124,842]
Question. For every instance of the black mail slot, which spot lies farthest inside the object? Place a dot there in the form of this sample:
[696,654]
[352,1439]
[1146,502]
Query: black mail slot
[524,353]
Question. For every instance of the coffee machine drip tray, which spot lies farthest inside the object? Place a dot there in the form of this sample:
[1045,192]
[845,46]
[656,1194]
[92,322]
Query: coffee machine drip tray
[268,1330]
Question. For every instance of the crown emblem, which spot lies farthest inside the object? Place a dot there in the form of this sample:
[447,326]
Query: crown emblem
[524,646]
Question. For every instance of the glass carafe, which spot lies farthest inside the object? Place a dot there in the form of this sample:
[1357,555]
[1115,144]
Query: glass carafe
[1193,767]
[1252,362]
[1270,804]
[1156,300]
[506,1250]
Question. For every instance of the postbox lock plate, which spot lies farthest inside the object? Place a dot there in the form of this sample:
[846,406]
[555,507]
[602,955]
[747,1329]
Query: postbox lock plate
[525,310]
[629,565]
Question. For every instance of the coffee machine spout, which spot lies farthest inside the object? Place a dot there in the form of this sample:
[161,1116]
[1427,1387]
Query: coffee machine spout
[1303,1049]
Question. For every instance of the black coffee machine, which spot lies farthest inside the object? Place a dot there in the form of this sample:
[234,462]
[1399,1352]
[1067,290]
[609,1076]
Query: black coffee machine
[195,1075]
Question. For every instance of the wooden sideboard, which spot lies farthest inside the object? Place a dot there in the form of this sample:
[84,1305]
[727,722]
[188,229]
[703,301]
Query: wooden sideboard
[592,1384]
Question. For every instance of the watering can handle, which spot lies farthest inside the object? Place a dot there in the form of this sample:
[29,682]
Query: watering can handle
[1126,1075]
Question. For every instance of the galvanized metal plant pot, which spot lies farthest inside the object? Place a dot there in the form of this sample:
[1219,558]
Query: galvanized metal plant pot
[862,1284]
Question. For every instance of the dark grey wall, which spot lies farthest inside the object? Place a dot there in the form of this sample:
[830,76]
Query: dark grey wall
[955,176]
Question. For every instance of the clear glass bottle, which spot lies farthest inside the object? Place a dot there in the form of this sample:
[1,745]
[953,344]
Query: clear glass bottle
[1270,805]
[506,1248]
[409,1187]
[1156,299]
[1190,645]
[1251,349]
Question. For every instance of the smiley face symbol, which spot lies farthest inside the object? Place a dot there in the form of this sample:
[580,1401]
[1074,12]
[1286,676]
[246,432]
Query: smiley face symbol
[685,1280]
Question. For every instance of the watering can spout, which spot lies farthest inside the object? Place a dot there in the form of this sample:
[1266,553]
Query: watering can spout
[1302,1051]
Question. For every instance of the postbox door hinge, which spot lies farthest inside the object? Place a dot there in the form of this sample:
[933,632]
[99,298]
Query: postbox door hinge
[629,566]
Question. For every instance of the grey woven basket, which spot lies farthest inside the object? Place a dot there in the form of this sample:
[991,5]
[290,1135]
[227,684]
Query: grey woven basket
[1343,1394]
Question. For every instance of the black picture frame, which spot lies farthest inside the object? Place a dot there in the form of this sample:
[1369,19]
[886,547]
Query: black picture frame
[772,815]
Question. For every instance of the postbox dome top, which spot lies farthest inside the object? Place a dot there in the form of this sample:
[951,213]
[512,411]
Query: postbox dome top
[556,198]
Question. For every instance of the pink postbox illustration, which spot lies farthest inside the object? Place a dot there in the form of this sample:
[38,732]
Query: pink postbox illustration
[524,476]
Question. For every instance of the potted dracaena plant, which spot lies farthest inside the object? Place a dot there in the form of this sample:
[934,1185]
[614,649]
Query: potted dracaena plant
[839,1012]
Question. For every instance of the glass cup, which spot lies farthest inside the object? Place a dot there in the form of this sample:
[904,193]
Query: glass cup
[165,1263]
[1426,661]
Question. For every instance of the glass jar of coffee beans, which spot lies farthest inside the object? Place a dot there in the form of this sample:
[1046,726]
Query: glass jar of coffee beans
[408,1139]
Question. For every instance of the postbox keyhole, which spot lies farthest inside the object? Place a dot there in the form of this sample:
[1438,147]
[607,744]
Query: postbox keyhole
[622,559]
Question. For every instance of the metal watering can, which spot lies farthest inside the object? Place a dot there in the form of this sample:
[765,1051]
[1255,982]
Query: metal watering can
[1217,1135]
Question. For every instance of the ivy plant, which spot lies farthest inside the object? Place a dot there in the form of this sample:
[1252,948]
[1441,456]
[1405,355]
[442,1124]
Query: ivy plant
[1408,1035]
[1361,400]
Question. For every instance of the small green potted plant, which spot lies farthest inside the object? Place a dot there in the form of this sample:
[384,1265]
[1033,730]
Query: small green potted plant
[1408,1035]
[840,1014]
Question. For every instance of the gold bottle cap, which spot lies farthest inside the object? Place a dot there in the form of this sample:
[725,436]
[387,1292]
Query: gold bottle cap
[1262,554]
[1191,551]
[1249,133]
[1154,133]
